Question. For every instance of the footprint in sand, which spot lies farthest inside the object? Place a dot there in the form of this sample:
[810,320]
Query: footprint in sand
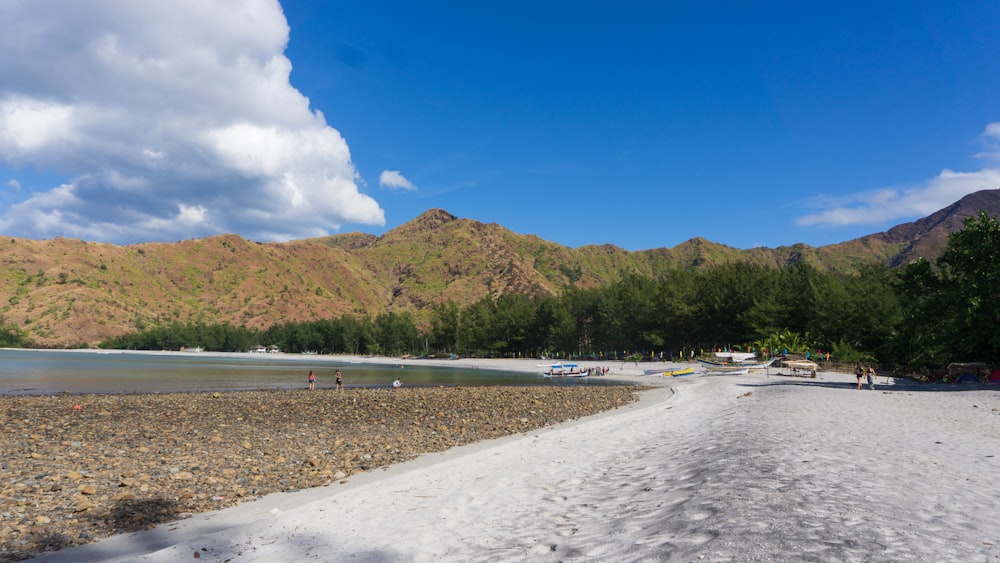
[678,541]
[697,515]
[542,549]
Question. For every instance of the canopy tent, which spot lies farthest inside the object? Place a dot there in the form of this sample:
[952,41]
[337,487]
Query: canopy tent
[968,372]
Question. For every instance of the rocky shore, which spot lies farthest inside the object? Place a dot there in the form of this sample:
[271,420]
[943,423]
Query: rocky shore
[74,469]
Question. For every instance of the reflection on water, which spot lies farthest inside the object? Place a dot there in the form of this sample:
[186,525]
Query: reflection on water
[38,372]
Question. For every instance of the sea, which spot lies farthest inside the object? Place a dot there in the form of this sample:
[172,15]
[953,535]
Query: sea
[47,372]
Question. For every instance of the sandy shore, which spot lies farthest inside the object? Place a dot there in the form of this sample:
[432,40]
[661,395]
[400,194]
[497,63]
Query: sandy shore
[707,468]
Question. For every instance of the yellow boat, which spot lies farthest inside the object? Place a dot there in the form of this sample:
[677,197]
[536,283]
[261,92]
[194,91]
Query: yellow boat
[678,372]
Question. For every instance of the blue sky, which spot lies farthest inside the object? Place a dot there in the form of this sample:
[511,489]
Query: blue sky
[639,124]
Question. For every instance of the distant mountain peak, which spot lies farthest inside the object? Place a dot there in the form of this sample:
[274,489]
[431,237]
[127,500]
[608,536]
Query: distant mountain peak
[927,237]
[433,218]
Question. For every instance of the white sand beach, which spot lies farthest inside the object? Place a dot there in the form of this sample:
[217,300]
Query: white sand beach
[703,468]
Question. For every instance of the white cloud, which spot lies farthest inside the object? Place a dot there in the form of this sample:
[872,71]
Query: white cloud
[991,140]
[13,183]
[392,179]
[892,204]
[171,120]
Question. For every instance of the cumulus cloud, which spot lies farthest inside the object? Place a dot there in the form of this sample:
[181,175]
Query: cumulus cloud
[393,180]
[169,120]
[891,204]
[991,142]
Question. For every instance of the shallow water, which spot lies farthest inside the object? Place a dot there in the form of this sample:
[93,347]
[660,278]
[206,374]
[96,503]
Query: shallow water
[41,372]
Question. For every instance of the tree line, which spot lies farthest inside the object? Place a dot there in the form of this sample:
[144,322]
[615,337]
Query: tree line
[913,318]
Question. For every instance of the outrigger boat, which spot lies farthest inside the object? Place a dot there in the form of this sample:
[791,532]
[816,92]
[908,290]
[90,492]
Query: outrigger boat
[735,357]
[668,372]
[560,369]
[740,361]
[728,370]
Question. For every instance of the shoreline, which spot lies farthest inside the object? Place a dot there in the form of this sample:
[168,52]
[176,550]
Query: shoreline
[624,372]
[228,376]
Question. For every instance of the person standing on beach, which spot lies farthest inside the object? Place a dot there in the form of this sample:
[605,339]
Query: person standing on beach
[859,372]
[871,377]
[312,380]
[340,380]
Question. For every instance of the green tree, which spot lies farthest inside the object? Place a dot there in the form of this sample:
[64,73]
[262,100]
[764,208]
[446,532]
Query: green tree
[512,319]
[444,325]
[951,312]
[555,326]
[395,333]
[723,298]
[10,336]
[673,311]
[970,272]
[475,323]
[625,313]
[356,334]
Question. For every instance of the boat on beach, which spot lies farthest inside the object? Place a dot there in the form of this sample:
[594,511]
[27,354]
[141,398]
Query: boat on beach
[724,366]
[560,369]
[727,370]
[734,363]
[668,372]
[735,357]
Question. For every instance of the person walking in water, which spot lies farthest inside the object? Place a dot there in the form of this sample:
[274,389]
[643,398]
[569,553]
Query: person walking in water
[312,380]
[340,380]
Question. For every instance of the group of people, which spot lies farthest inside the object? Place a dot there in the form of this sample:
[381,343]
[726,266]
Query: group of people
[861,373]
[338,375]
[340,381]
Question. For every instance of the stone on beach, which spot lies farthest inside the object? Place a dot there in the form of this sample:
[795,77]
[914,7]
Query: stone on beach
[95,465]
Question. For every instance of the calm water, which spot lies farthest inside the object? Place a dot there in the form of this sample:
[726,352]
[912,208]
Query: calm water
[40,372]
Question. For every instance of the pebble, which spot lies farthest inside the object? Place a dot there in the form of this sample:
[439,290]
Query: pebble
[74,469]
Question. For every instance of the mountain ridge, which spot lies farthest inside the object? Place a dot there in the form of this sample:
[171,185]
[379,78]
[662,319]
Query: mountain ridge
[67,292]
